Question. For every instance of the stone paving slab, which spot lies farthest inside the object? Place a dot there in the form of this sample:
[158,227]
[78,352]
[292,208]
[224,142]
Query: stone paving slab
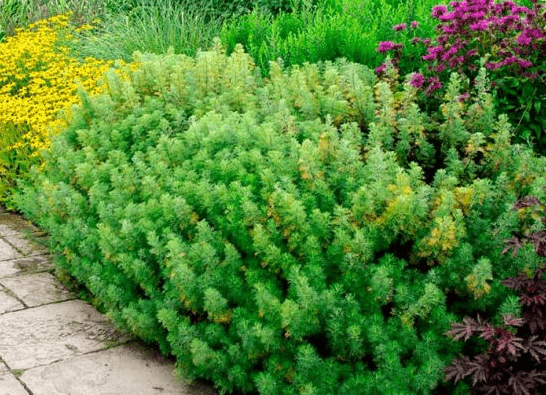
[9,385]
[46,334]
[13,224]
[9,303]
[25,246]
[37,289]
[7,252]
[25,265]
[128,369]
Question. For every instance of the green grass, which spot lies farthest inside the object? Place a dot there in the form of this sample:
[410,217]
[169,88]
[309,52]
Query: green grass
[150,26]
[314,30]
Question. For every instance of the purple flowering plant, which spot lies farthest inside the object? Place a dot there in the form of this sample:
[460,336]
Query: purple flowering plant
[507,38]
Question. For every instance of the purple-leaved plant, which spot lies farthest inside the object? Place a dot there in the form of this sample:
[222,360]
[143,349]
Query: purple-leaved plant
[515,362]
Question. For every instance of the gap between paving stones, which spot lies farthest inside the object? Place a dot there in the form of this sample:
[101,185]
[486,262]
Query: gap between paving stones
[10,383]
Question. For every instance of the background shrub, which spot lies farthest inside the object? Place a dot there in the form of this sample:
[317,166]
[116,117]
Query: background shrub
[211,8]
[297,31]
[310,232]
[327,31]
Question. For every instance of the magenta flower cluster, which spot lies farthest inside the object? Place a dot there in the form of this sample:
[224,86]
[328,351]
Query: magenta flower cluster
[386,46]
[417,80]
[516,32]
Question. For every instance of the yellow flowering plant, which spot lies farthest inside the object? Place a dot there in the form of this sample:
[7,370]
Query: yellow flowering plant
[38,79]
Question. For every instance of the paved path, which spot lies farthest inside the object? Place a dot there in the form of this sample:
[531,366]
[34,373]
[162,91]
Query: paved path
[51,343]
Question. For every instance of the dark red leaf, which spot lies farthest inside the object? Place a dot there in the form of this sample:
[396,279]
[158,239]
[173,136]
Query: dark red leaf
[536,347]
[509,319]
[458,369]
[488,331]
[514,243]
[463,330]
[527,201]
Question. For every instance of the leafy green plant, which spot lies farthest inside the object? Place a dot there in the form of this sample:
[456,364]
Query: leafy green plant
[15,159]
[311,232]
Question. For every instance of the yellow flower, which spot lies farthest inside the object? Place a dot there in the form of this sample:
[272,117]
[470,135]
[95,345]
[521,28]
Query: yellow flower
[38,78]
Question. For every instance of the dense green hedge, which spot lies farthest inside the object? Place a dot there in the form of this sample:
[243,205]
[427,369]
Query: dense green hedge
[308,233]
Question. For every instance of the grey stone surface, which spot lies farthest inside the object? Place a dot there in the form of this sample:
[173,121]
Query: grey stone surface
[25,246]
[128,369]
[25,265]
[9,303]
[36,289]
[7,252]
[45,334]
[13,224]
[9,385]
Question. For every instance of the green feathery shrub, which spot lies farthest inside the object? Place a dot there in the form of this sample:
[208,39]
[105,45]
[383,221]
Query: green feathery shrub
[312,232]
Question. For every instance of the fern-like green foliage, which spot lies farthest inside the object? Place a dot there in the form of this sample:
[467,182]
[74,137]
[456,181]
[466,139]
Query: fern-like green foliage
[309,232]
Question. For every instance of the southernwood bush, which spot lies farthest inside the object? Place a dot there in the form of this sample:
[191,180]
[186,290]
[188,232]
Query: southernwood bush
[312,232]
